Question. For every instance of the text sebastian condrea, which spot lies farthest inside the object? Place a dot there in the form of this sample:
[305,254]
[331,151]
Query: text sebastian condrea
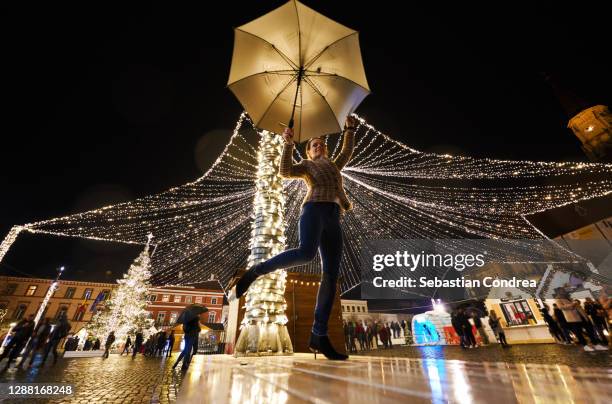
[405,282]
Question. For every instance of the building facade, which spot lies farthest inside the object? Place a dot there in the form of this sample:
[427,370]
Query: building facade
[21,297]
[166,302]
[357,310]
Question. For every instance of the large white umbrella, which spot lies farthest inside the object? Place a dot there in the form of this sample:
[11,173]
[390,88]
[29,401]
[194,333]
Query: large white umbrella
[295,67]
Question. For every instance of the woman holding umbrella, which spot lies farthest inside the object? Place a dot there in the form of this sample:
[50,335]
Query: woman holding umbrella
[299,64]
[319,227]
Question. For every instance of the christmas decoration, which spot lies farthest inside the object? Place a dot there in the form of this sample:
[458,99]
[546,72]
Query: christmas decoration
[126,311]
[263,327]
[205,227]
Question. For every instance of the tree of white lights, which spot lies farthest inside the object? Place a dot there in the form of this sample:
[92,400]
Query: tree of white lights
[206,227]
[263,329]
[126,310]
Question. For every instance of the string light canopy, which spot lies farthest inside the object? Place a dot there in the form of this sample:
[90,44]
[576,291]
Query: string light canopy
[204,227]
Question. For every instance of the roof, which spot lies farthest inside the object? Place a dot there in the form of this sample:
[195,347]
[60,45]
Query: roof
[209,285]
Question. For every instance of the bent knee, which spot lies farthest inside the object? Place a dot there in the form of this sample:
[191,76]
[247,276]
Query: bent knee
[308,254]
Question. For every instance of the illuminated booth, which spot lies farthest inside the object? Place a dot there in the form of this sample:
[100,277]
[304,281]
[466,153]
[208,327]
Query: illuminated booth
[434,327]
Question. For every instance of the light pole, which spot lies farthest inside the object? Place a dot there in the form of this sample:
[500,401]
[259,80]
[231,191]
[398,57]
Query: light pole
[50,292]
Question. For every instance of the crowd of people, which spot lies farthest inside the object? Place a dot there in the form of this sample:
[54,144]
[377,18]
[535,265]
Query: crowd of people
[460,320]
[569,322]
[574,322]
[32,339]
[28,339]
[365,335]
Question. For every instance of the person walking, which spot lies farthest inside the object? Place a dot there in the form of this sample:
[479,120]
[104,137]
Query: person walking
[161,343]
[466,329]
[191,330]
[495,324]
[170,344]
[319,228]
[553,326]
[560,319]
[110,340]
[575,322]
[597,315]
[61,329]
[455,322]
[137,343]
[37,342]
[588,327]
[480,328]
[126,346]
[21,334]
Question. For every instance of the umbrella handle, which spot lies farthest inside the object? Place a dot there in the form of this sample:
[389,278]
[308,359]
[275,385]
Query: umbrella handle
[297,90]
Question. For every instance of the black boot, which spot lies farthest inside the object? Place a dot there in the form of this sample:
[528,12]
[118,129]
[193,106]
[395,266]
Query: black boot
[321,343]
[240,286]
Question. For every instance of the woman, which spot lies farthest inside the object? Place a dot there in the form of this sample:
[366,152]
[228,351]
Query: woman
[495,324]
[319,227]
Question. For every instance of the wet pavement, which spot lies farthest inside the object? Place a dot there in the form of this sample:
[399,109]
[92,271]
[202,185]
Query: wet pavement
[480,376]
[550,354]
[113,380]
[372,380]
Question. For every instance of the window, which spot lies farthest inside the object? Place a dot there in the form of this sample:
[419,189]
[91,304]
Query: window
[152,298]
[173,317]
[517,313]
[213,300]
[105,294]
[161,316]
[211,317]
[177,298]
[61,311]
[187,299]
[10,289]
[198,299]
[20,311]
[80,313]
[31,290]
[165,298]
[70,293]
[343,308]
[87,293]
[358,309]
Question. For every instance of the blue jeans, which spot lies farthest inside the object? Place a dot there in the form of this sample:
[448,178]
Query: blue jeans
[189,349]
[319,228]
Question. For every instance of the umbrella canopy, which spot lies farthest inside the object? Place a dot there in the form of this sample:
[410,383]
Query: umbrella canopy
[294,65]
[191,312]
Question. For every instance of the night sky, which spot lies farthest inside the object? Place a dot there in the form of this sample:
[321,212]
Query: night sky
[107,104]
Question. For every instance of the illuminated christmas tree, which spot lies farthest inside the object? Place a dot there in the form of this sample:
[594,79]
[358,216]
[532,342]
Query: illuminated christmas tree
[263,329]
[126,311]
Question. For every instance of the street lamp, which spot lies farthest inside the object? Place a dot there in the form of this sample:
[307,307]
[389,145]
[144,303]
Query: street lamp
[50,292]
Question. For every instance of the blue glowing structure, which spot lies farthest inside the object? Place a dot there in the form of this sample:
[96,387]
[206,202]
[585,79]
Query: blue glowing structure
[424,331]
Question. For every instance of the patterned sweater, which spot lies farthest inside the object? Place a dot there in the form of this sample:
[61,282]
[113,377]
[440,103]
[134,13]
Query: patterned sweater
[321,175]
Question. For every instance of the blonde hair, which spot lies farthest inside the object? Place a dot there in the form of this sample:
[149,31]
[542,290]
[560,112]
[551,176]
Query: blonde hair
[310,141]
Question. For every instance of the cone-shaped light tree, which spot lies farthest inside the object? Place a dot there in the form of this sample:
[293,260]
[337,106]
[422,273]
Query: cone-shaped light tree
[126,311]
[263,329]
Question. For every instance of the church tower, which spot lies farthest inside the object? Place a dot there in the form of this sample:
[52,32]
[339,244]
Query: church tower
[591,123]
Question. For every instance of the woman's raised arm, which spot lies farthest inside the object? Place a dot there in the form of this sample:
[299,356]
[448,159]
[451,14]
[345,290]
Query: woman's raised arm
[348,143]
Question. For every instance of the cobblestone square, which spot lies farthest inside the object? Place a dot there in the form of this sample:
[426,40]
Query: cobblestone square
[118,379]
